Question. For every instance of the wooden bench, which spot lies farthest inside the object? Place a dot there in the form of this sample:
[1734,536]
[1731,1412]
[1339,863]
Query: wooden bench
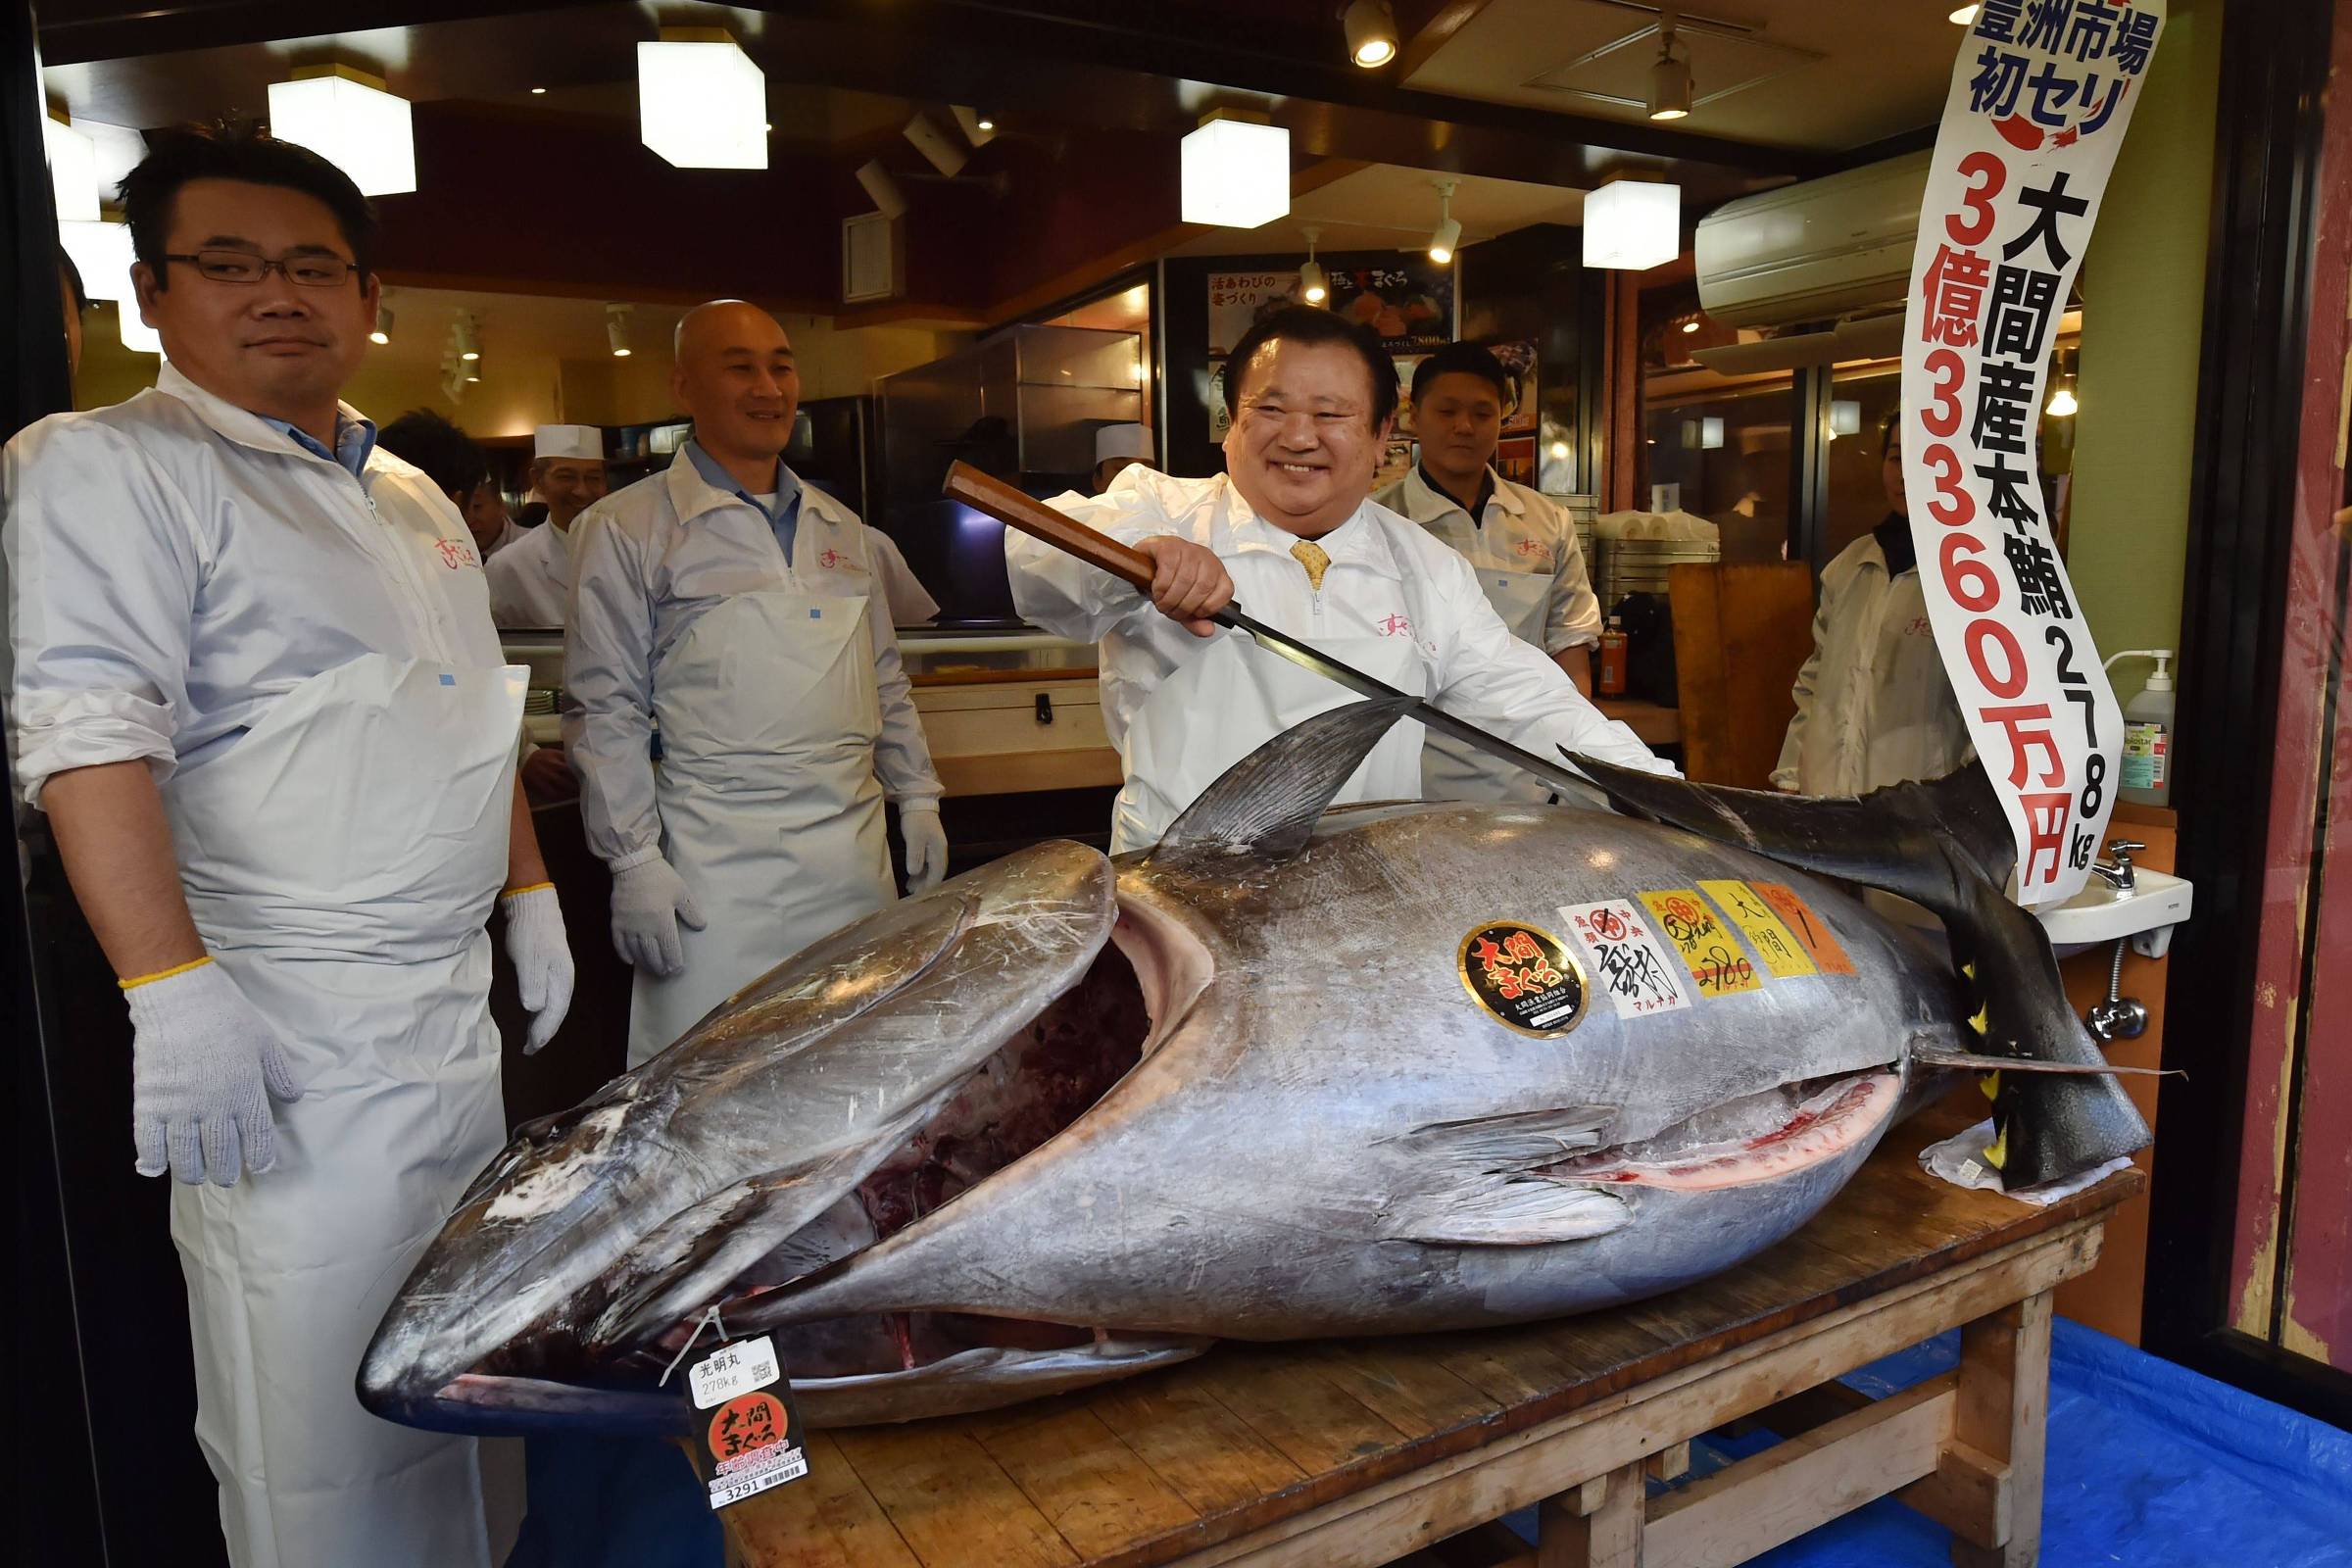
[1366,1451]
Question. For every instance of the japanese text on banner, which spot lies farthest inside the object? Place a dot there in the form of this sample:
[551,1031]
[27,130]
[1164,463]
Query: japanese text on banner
[2039,101]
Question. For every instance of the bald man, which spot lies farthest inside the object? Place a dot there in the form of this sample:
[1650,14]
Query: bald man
[748,614]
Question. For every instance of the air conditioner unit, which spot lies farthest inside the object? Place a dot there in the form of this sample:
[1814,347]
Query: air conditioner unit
[873,262]
[1824,251]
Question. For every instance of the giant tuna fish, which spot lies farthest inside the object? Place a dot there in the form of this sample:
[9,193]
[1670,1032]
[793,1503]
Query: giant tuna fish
[1394,1068]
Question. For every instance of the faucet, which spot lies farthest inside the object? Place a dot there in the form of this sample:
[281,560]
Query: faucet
[2117,874]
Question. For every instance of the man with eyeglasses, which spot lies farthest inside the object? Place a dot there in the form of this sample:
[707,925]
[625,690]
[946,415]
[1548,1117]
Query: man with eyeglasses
[258,692]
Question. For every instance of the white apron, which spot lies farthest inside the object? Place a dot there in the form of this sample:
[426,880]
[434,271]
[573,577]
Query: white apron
[340,860]
[1453,771]
[770,810]
[1232,698]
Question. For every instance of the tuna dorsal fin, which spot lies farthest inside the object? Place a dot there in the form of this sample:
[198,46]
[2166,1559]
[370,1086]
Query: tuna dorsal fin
[1946,846]
[1267,803]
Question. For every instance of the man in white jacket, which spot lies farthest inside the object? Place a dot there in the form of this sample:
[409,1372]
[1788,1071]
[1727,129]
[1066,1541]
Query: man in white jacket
[1873,705]
[530,580]
[1290,529]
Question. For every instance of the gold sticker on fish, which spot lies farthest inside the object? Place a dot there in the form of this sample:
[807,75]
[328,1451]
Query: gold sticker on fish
[1712,954]
[1524,977]
[1774,944]
[1809,929]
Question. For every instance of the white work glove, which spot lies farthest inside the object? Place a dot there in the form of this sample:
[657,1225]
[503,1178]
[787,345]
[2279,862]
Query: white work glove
[926,845]
[542,957]
[201,1059]
[649,899]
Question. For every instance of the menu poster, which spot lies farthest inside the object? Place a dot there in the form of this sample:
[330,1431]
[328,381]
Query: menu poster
[1519,400]
[2039,101]
[1408,306]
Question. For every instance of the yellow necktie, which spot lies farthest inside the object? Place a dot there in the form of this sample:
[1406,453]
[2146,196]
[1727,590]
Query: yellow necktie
[1315,558]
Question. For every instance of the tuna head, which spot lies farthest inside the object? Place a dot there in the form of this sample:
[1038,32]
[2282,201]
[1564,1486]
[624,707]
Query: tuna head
[860,1084]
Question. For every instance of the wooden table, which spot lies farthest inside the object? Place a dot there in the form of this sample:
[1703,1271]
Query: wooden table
[1370,1451]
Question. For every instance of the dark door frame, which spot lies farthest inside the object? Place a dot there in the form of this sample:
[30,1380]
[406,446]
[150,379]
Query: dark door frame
[2267,170]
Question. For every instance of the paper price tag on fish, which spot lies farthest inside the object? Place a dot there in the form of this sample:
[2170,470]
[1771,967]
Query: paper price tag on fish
[733,1369]
[752,1439]
[1628,965]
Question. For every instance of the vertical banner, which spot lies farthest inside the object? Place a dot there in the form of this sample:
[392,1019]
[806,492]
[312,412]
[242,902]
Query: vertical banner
[2039,101]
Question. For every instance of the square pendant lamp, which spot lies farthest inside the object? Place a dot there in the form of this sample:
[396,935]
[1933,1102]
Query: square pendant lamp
[73,170]
[701,102]
[347,118]
[1237,173]
[138,336]
[102,253]
[1633,225]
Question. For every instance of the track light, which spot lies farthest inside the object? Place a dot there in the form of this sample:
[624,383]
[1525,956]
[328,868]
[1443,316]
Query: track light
[1669,78]
[383,325]
[1691,325]
[474,367]
[1371,29]
[933,143]
[468,338]
[616,329]
[881,189]
[1449,229]
[977,128]
[2062,404]
[1315,287]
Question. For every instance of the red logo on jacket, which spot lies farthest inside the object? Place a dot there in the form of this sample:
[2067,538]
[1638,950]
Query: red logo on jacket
[456,552]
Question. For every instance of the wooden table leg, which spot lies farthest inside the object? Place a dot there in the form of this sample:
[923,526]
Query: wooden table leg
[1598,1525]
[2003,1417]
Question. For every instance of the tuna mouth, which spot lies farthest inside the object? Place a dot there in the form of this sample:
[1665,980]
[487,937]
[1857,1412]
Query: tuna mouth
[1757,1138]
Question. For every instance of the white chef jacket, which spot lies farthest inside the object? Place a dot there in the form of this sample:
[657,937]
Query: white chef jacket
[1873,705]
[1522,531]
[1386,575]
[653,557]
[530,579]
[910,603]
[176,563]
[512,533]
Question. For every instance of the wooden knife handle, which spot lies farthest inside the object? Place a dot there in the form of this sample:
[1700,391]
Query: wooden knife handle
[1035,518]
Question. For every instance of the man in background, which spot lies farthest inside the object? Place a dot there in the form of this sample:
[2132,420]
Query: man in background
[1118,448]
[1521,544]
[530,583]
[1873,705]
[455,462]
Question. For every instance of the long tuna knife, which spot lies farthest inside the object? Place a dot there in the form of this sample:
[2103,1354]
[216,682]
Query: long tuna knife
[1015,510]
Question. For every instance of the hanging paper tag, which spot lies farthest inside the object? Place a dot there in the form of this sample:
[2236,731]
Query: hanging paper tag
[752,1436]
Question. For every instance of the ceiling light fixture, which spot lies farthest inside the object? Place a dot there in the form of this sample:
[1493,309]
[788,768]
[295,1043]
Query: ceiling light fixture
[474,367]
[1632,225]
[1371,29]
[616,329]
[347,118]
[103,254]
[977,128]
[383,325]
[138,336]
[2062,404]
[933,143]
[73,170]
[1669,78]
[1691,325]
[701,102]
[1314,286]
[468,335]
[1450,228]
[1236,171]
[881,189]
[1965,15]
[538,92]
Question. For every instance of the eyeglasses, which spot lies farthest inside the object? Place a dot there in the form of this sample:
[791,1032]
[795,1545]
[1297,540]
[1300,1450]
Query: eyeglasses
[322,270]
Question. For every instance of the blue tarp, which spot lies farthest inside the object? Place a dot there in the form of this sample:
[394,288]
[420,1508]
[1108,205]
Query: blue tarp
[2149,1464]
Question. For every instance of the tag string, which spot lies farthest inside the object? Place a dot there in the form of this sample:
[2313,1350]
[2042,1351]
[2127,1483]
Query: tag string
[708,1321]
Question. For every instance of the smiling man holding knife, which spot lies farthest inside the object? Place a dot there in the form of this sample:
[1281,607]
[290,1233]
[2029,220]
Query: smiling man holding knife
[1290,529]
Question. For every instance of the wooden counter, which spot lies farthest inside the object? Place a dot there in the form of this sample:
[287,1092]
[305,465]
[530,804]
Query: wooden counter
[1017,731]
[1361,1451]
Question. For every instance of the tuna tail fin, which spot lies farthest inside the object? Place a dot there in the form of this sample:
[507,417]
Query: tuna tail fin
[1946,847]
[1267,804]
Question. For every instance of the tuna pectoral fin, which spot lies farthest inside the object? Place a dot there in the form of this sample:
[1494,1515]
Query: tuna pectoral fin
[1521,1137]
[1946,846]
[1504,1212]
[1267,803]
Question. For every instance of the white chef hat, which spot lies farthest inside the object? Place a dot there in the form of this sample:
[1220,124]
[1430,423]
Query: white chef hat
[1122,441]
[576,441]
